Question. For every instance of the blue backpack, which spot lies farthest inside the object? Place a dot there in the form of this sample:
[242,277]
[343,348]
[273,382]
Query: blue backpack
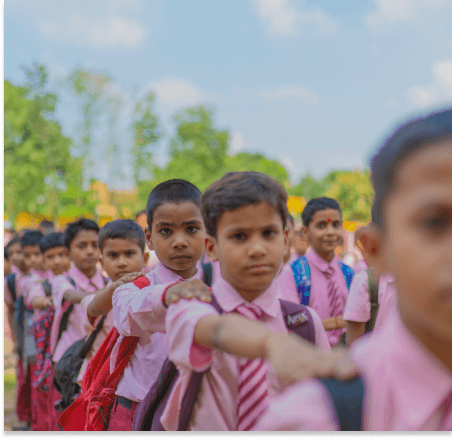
[302,275]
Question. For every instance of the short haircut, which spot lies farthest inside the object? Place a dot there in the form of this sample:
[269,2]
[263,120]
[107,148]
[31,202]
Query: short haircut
[31,238]
[404,141]
[6,254]
[47,225]
[52,240]
[239,189]
[13,241]
[317,204]
[72,229]
[122,229]
[171,191]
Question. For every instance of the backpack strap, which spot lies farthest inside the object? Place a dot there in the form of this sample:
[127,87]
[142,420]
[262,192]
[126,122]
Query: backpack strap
[348,273]
[47,288]
[11,282]
[298,320]
[89,342]
[373,296]
[302,275]
[347,400]
[105,279]
[65,317]
[207,271]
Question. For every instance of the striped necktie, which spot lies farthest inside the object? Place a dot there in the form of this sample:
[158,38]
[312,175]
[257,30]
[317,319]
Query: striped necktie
[252,398]
[332,292]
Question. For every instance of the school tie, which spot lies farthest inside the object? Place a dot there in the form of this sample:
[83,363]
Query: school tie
[446,424]
[252,398]
[332,291]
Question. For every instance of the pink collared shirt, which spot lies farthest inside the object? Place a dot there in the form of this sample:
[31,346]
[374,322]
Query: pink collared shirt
[360,266]
[141,313]
[37,290]
[28,282]
[405,387]
[319,289]
[357,307]
[216,409]
[75,330]
[90,325]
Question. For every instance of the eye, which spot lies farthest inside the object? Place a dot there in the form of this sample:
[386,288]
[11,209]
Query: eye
[320,225]
[436,223]
[269,233]
[130,253]
[239,236]
[192,229]
[165,231]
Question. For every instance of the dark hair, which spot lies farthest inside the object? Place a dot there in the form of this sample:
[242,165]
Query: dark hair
[122,229]
[238,189]
[404,140]
[72,229]
[47,225]
[52,240]
[141,212]
[171,191]
[31,238]
[6,253]
[13,241]
[317,204]
[291,219]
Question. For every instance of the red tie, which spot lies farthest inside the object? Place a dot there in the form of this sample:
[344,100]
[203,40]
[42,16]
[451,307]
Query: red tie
[253,388]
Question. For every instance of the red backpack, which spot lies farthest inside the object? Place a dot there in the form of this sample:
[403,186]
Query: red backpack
[91,410]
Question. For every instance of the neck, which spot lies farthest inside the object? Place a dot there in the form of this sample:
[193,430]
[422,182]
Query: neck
[326,256]
[89,273]
[185,274]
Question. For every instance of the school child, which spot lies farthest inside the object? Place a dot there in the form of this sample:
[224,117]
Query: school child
[57,262]
[407,366]
[329,278]
[18,270]
[245,215]
[83,278]
[6,265]
[176,233]
[290,255]
[370,301]
[360,264]
[122,246]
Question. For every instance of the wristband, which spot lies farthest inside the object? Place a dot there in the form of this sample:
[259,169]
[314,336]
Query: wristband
[166,289]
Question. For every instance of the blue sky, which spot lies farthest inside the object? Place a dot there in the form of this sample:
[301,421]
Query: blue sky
[314,84]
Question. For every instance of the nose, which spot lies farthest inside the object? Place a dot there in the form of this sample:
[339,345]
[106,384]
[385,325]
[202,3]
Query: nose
[257,248]
[180,240]
[122,261]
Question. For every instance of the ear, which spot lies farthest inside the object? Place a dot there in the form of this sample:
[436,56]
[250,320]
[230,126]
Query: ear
[148,235]
[146,256]
[371,240]
[304,233]
[211,247]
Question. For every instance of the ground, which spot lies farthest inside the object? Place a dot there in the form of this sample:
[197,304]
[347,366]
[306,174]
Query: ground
[10,386]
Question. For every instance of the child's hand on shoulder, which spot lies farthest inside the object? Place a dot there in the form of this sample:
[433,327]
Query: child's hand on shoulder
[190,289]
[294,360]
[127,278]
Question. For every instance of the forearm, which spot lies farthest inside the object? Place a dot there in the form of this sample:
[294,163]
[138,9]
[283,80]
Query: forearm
[233,334]
[11,322]
[74,296]
[102,303]
[39,303]
[334,323]
[354,331]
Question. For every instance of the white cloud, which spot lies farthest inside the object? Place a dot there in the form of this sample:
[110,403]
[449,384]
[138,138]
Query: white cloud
[307,96]
[109,31]
[439,91]
[393,11]
[237,143]
[282,18]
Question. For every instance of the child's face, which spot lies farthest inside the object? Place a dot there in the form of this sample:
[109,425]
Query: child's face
[6,267]
[33,257]
[84,251]
[16,257]
[57,260]
[325,232]
[416,245]
[250,246]
[122,256]
[177,236]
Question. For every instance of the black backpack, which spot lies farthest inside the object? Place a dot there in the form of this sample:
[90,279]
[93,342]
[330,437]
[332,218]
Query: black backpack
[68,368]
[149,411]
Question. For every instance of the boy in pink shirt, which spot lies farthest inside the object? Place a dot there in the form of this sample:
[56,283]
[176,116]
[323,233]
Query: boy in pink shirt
[83,278]
[176,233]
[245,216]
[328,288]
[407,365]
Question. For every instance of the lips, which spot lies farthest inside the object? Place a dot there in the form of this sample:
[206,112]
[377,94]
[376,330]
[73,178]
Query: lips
[180,257]
[262,268]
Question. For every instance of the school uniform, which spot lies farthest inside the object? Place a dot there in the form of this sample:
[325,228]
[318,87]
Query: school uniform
[23,288]
[360,266]
[319,299]
[217,403]
[75,329]
[140,313]
[357,307]
[406,389]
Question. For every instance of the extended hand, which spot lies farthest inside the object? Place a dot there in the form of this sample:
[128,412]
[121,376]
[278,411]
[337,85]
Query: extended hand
[129,277]
[189,289]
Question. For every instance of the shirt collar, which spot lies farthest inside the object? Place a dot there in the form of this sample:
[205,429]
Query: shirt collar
[82,281]
[319,262]
[167,276]
[229,298]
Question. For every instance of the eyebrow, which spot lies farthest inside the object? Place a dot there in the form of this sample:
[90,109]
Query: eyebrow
[241,229]
[185,223]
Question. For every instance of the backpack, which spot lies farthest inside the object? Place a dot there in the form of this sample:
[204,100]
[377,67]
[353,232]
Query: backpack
[347,399]
[11,282]
[374,305]
[297,318]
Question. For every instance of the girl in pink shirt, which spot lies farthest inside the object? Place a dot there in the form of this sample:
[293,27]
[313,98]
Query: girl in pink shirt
[406,367]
